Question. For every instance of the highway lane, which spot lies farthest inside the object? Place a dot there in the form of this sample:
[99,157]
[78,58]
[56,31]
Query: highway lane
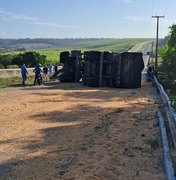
[146,48]
[146,56]
[138,47]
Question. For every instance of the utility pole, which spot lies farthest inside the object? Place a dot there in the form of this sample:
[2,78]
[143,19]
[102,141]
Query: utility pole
[157,31]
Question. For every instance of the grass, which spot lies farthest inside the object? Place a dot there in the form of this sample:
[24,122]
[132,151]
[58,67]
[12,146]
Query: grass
[15,81]
[168,81]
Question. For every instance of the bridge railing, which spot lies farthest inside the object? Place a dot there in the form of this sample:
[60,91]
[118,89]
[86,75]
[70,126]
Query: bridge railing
[167,117]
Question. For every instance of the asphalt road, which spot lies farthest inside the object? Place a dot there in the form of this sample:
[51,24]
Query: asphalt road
[146,48]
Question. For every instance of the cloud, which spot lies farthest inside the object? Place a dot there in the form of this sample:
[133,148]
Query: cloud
[4,15]
[127,1]
[3,35]
[51,24]
[168,22]
[7,16]
[135,18]
[124,1]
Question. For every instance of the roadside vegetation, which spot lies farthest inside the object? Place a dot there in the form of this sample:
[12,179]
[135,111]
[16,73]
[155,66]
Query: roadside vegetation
[15,81]
[167,69]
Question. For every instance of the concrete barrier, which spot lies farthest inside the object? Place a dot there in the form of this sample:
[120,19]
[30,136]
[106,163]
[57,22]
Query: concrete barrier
[13,72]
[16,72]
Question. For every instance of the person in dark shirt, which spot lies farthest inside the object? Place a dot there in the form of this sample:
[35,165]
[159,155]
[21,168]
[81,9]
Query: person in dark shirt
[55,67]
[37,70]
[150,73]
[45,74]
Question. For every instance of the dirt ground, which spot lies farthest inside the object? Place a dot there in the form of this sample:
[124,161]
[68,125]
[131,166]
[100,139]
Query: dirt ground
[69,131]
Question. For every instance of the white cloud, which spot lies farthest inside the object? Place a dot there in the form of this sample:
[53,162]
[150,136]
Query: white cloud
[51,24]
[7,16]
[127,1]
[168,22]
[3,35]
[135,18]
[124,1]
[4,15]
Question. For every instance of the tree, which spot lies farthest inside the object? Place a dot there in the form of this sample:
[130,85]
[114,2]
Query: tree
[6,60]
[168,52]
[18,60]
[30,58]
[1,66]
[171,38]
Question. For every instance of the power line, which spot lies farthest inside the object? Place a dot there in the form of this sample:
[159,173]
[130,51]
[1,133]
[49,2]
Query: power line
[160,8]
[152,7]
[157,32]
[167,6]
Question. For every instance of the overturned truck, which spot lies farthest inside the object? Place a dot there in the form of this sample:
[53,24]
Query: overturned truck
[98,69]
[72,66]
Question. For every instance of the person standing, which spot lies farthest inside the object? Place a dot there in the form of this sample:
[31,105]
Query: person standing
[24,73]
[37,70]
[45,73]
[55,67]
[50,73]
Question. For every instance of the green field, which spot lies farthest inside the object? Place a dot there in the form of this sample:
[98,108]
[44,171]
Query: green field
[114,45]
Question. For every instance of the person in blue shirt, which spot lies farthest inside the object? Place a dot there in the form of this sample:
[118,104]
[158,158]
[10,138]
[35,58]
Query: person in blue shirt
[37,70]
[23,73]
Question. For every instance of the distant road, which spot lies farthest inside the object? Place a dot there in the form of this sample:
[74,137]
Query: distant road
[138,47]
[145,47]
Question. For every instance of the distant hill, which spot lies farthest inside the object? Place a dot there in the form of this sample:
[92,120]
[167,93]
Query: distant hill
[39,43]
[44,43]
[51,48]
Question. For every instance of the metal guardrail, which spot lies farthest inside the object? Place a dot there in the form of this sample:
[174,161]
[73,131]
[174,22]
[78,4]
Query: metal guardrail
[163,94]
[166,151]
[171,121]
[170,113]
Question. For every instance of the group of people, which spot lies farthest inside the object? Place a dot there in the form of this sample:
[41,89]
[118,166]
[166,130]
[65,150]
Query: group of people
[44,73]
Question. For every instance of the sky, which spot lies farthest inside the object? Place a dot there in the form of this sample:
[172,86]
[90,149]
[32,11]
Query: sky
[85,18]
